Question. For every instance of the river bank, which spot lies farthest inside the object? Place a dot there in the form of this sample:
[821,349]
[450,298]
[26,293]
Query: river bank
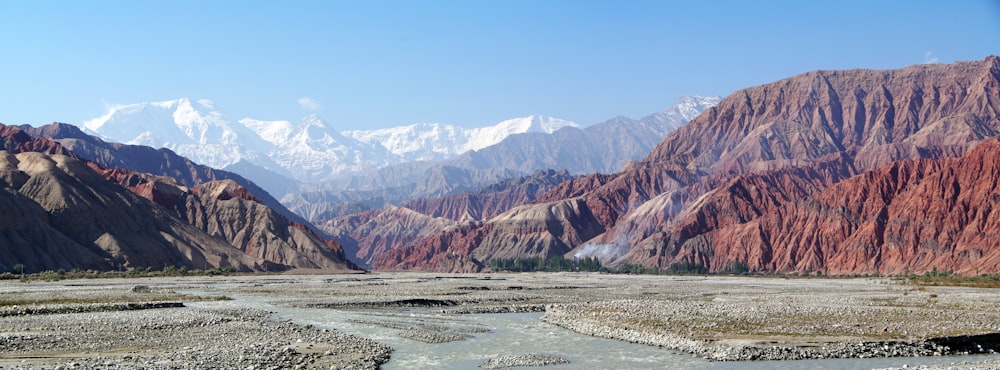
[65,323]
[84,326]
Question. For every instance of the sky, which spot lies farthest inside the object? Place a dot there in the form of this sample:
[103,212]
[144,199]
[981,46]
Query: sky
[375,64]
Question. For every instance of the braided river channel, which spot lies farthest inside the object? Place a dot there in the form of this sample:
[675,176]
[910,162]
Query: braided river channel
[496,335]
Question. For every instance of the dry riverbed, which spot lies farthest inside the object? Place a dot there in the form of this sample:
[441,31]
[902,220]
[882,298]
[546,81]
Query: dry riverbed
[135,323]
[144,324]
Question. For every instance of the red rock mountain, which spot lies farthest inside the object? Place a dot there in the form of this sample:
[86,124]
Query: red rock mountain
[143,159]
[59,213]
[370,234]
[914,215]
[227,210]
[62,212]
[491,200]
[747,159]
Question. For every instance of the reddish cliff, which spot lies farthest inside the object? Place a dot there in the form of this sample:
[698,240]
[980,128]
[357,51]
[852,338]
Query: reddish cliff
[758,151]
[16,140]
[548,229]
[369,234]
[491,200]
[915,216]
[63,212]
[229,211]
[60,214]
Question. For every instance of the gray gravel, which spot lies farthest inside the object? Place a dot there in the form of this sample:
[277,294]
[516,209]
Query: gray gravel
[718,318]
[983,365]
[533,360]
[178,338]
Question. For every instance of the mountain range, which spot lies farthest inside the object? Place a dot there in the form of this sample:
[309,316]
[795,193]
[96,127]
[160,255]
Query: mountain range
[310,151]
[840,172]
[605,147]
[62,211]
[384,166]
[799,175]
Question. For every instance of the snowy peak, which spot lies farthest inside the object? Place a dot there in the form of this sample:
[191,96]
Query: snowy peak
[194,129]
[313,131]
[487,136]
[435,141]
[685,109]
[532,123]
[271,131]
[311,150]
[690,107]
[174,122]
[420,141]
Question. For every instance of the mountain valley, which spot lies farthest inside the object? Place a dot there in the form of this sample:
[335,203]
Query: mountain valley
[839,172]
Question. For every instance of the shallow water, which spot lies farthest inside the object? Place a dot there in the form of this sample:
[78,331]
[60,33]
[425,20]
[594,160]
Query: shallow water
[519,334]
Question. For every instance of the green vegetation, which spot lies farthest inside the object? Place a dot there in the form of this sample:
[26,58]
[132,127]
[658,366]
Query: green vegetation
[551,264]
[948,278]
[18,269]
[62,274]
[684,268]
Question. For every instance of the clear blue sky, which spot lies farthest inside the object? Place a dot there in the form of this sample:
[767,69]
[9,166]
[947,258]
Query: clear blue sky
[371,64]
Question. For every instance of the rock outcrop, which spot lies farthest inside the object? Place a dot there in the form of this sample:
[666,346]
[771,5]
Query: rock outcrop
[372,233]
[491,200]
[917,215]
[59,213]
[369,234]
[547,230]
[229,211]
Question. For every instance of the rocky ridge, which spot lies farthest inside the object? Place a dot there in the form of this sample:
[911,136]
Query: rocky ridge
[834,124]
[604,147]
[144,159]
[62,212]
[227,210]
[59,213]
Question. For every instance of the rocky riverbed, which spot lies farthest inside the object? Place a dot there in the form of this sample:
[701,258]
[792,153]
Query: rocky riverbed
[60,333]
[113,324]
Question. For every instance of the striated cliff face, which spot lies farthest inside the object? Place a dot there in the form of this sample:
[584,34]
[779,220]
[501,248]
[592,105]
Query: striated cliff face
[369,234]
[162,162]
[227,210]
[491,200]
[757,152]
[874,116]
[58,213]
[914,215]
[63,212]
[548,229]
[825,126]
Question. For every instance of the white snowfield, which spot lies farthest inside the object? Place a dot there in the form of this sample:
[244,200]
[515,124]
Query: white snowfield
[312,151]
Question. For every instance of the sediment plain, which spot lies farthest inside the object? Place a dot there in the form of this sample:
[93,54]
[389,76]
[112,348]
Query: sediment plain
[157,323]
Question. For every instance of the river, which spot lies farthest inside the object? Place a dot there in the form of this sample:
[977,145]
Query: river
[520,334]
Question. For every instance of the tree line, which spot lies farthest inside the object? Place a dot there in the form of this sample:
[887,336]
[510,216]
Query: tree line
[549,264]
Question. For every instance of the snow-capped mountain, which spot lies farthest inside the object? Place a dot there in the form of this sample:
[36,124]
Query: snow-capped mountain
[686,109]
[310,151]
[194,129]
[436,141]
